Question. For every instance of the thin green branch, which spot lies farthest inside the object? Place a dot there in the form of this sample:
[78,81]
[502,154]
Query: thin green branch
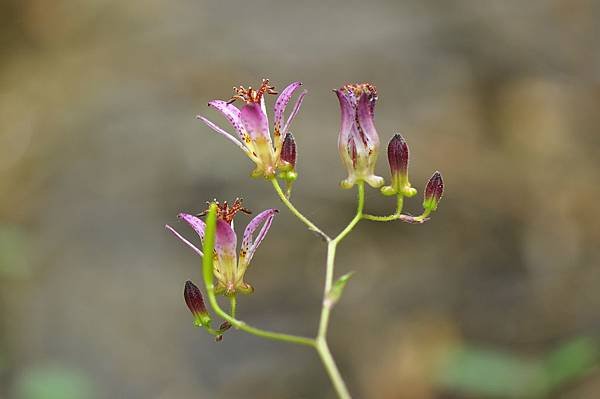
[394,216]
[332,370]
[320,342]
[359,213]
[233,305]
[295,211]
[322,347]
[330,265]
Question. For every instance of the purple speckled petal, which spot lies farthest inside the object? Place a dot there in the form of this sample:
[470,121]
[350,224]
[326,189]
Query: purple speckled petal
[195,223]
[224,133]
[348,113]
[294,112]
[184,240]
[249,245]
[225,242]
[365,119]
[231,112]
[282,102]
[255,122]
[345,140]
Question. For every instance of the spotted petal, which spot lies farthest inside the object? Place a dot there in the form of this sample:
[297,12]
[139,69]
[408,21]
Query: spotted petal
[255,122]
[282,102]
[256,127]
[227,135]
[231,112]
[196,224]
[225,243]
[345,137]
[249,243]
[365,119]
[279,110]
[295,110]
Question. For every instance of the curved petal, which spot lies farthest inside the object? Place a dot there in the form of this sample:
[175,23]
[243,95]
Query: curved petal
[258,139]
[346,145]
[224,133]
[263,107]
[255,122]
[282,102]
[195,223]
[295,110]
[225,243]
[231,112]
[250,244]
[184,240]
[348,113]
[365,120]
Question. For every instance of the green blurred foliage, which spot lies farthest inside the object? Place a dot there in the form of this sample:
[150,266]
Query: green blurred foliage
[53,382]
[496,374]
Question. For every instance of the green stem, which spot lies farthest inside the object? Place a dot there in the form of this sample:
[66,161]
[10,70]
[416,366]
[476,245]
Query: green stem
[326,310]
[396,215]
[207,271]
[233,305]
[322,347]
[334,374]
[330,265]
[295,211]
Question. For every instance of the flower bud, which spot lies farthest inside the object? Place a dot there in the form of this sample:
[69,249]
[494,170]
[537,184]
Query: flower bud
[288,153]
[398,155]
[398,159]
[195,302]
[433,192]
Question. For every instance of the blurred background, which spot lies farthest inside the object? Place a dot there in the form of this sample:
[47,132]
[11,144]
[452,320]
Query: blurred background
[496,297]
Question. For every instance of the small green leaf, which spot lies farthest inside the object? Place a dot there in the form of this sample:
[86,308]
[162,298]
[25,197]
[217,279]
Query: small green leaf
[335,293]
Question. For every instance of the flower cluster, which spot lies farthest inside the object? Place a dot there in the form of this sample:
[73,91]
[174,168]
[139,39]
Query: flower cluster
[224,268]
[275,157]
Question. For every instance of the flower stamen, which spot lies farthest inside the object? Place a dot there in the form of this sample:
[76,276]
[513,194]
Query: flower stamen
[250,95]
[360,88]
[225,212]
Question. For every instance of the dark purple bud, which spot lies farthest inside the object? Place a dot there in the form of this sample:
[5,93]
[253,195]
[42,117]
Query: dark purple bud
[195,302]
[398,155]
[288,150]
[433,192]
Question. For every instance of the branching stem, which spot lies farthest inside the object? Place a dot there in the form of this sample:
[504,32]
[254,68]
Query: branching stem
[394,216]
[295,211]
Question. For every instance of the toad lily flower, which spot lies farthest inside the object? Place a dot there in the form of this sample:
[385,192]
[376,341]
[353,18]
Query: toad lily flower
[252,125]
[358,142]
[229,269]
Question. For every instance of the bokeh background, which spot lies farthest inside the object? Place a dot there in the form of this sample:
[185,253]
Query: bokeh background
[496,297]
